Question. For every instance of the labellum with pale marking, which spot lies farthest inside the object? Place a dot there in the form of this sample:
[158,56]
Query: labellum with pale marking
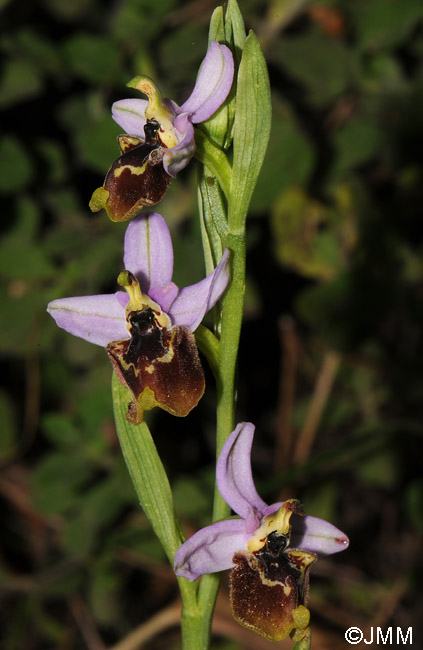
[269,586]
[136,179]
[159,363]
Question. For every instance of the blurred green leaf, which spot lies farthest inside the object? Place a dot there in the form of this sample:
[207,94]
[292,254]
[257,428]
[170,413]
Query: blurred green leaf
[323,65]
[136,22]
[19,316]
[23,260]
[91,57]
[95,136]
[57,481]
[104,590]
[304,237]
[321,307]
[383,73]
[321,502]
[356,142]
[33,47]
[54,156]
[380,470]
[181,53]
[385,23]
[101,504]
[190,499]
[59,429]
[289,160]
[21,81]
[16,167]
[71,11]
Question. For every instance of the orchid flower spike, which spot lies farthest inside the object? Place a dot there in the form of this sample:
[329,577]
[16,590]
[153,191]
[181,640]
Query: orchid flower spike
[269,548]
[160,140]
[148,331]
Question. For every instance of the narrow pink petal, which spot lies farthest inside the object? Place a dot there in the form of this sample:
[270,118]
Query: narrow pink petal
[97,319]
[129,114]
[317,535]
[211,549]
[213,83]
[164,296]
[193,302]
[148,251]
[178,157]
[234,477]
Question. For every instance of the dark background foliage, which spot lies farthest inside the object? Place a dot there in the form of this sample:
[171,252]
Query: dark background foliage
[330,366]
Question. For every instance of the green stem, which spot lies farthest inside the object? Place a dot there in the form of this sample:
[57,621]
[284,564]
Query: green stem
[232,310]
[221,226]
[195,635]
[214,159]
[305,643]
[208,344]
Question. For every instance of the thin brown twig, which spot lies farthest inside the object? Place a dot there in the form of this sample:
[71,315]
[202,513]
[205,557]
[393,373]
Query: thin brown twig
[322,390]
[390,602]
[384,612]
[194,12]
[159,570]
[287,386]
[278,17]
[85,624]
[167,617]
[32,399]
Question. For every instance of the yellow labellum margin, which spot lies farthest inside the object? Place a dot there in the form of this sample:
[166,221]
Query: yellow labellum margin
[159,363]
[269,584]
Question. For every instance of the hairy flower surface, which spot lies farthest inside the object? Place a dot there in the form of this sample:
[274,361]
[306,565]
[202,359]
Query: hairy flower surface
[269,548]
[160,140]
[147,331]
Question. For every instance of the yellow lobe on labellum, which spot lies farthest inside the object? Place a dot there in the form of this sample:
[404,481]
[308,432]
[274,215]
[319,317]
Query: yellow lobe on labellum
[301,617]
[99,199]
[146,402]
[156,110]
[127,142]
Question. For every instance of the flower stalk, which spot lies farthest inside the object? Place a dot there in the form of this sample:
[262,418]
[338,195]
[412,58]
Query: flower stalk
[248,159]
